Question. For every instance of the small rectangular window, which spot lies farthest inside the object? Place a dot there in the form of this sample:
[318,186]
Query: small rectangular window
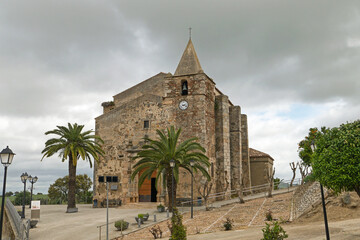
[146,124]
[101,178]
[115,179]
[108,179]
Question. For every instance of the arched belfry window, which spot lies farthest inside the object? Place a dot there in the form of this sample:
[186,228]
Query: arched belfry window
[184,88]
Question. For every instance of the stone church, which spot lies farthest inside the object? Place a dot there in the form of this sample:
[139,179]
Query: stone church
[187,99]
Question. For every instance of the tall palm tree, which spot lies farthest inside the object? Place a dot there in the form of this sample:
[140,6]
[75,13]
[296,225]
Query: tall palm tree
[73,144]
[156,156]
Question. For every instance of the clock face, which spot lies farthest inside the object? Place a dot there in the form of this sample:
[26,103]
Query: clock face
[183,105]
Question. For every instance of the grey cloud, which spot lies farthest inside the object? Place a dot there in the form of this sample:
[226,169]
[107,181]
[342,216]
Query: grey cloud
[60,60]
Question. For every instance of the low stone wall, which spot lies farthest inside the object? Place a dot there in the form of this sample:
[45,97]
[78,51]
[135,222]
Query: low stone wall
[306,197]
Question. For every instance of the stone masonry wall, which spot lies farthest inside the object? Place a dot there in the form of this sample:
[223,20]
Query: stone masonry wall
[259,166]
[196,121]
[245,152]
[235,146]
[306,197]
[222,143]
[123,131]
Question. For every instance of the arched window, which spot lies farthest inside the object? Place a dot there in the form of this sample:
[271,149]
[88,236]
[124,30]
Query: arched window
[184,88]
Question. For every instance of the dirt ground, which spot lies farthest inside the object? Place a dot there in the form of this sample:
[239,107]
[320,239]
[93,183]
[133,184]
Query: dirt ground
[335,209]
[249,219]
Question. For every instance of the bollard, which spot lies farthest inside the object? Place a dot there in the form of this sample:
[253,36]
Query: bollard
[167,213]
[139,222]
[154,217]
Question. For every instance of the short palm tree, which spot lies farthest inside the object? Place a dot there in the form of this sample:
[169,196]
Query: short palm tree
[156,155]
[73,144]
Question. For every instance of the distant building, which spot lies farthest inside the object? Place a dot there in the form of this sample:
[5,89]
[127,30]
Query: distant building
[261,165]
[187,99]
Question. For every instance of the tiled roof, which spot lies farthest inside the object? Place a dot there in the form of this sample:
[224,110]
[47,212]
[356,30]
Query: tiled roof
[257,153]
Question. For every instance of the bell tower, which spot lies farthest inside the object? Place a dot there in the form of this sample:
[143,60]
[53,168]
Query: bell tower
[190,102]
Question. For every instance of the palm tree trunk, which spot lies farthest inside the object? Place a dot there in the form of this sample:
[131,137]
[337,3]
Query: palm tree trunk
[72,185]
[169,187]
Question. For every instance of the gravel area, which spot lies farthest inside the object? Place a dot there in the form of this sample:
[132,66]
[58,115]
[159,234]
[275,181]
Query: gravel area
[252,211]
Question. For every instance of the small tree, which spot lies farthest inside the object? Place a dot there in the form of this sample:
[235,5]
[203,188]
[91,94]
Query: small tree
[58,191]
[240,190]
[270,178]
[277,182]
[205,191]
[19,197]
[276,232]
[177,229]
[8,194]
[335,162]
[156,232]
[304,171]
[293,167]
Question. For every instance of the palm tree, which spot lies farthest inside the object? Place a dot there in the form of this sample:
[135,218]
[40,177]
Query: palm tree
[73,144]
[156,156]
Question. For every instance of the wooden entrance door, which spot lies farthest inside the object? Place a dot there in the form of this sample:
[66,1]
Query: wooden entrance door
[146,191]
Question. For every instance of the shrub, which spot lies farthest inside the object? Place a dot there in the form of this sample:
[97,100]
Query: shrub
[268,215]
[156,232]
[140,215]
[276,232]
[177,229]
[160,208]
[121,224]
[309,178]
[19,197]
[228,224]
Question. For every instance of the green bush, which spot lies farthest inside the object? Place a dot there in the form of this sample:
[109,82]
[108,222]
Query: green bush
[276,232]
[268,215]
[177,229]
[228,224]
[309,178]
[140,215]
[19,197]
[121,224]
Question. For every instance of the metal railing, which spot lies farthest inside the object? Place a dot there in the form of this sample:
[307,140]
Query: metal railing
[250,190]
[20,227]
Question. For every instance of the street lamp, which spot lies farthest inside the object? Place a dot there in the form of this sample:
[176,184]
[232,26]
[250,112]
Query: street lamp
[6,157]
[192,163]
[172,165]
[24,177]
[313,148]
[32,180]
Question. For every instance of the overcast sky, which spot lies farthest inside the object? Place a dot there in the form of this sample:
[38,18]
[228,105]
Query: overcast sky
[290,65]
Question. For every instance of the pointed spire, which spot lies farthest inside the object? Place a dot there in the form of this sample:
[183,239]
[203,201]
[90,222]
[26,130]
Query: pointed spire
[189,63]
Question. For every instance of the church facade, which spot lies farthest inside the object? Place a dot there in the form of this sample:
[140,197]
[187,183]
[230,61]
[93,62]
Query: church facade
[187,99]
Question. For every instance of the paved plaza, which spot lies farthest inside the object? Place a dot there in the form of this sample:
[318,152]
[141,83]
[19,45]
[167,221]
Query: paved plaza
[55,224]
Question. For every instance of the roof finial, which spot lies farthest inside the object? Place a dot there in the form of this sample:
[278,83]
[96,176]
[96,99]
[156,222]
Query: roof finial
[190,33]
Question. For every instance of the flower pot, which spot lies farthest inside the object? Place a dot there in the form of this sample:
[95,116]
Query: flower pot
[33,223]
[161,209]
[146,217]
[124,227]
[141,220]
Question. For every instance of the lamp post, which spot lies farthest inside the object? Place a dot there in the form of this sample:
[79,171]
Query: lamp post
[32,180]
[6,157]
[24,177]
[192,163]
[313,148]
[172,165]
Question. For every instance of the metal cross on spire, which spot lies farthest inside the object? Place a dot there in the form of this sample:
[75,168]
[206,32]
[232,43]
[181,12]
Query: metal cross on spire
[190,32]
